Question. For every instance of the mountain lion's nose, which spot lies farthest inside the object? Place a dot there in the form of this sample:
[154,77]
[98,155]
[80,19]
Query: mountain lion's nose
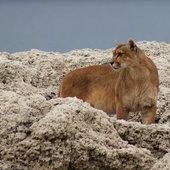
[111,63]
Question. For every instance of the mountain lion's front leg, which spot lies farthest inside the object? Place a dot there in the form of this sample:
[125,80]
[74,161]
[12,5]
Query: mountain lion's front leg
[148,114]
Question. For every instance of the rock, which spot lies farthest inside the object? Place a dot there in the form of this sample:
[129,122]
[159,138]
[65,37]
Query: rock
[38,130]
[163,164]
[154,137]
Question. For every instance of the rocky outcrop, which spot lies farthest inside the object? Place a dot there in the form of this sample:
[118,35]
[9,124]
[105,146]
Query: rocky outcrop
[38,130]
[163,163]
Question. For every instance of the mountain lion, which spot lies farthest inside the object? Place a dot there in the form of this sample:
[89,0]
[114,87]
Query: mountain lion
[128,84]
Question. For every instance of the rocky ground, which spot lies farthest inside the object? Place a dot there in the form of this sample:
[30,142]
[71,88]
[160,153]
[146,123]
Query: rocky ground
[38,130]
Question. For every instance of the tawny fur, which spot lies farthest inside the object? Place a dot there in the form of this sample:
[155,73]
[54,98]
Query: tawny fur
[129,84]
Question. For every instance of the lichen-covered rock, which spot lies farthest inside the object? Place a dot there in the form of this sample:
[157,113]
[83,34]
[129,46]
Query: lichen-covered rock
[74,136]
[163,164]
[155,138]
[38,130]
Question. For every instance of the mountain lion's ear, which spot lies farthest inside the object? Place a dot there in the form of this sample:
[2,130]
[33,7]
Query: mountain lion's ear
[117,43]
[132,45]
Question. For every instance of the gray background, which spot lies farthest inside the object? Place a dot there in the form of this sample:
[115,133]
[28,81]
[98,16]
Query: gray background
[64,25]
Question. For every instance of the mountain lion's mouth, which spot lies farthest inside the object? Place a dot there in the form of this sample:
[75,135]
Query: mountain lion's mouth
[115,68]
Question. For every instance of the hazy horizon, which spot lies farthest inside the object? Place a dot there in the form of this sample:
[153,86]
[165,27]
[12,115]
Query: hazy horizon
[64,25]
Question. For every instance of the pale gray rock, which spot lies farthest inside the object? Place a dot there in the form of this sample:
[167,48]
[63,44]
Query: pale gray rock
[155,138]
[38,130]
[163,164]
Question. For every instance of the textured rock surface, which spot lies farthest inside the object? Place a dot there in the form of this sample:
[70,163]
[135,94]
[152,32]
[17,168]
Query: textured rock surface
[163,164]
[40,131]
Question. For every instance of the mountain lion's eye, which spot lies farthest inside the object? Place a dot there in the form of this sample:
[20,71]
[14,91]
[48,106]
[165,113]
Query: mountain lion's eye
[120,54]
